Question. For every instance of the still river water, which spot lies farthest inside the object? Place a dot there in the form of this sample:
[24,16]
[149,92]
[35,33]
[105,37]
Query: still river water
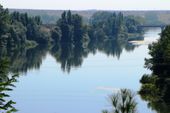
[85,89]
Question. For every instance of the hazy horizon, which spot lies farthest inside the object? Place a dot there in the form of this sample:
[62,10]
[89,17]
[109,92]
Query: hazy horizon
[87,5]
[84,9]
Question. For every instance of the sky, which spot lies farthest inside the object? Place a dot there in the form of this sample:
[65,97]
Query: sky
[88,4]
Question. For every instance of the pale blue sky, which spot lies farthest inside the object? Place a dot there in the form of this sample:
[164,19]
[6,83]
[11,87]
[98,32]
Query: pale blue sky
[89,4]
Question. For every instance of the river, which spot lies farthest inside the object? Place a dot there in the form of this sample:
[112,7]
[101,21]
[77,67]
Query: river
[83,87]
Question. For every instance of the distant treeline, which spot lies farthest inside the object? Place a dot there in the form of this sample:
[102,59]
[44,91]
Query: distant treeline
[102,26]
[20,30]
[147,17]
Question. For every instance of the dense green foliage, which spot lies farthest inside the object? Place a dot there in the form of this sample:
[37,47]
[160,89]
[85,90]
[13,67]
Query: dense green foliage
[4,19]
[107,25]
[6,84]
[156,87]
[102,26]
[69,28]
[18,30]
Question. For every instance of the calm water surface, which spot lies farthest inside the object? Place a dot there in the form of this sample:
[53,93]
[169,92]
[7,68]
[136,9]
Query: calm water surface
[85,89]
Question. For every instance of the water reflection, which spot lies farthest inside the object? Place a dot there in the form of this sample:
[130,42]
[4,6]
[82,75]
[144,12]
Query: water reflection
[156,91]
[24,59]
[70,56]
[67,54]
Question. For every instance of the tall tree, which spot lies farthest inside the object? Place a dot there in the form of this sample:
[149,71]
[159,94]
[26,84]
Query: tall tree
[4,21]
[69,17]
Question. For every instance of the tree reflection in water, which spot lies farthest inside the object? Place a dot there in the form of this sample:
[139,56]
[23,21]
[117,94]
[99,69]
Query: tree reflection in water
[69,55]
[72,55]
[156,91]
[24,59]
